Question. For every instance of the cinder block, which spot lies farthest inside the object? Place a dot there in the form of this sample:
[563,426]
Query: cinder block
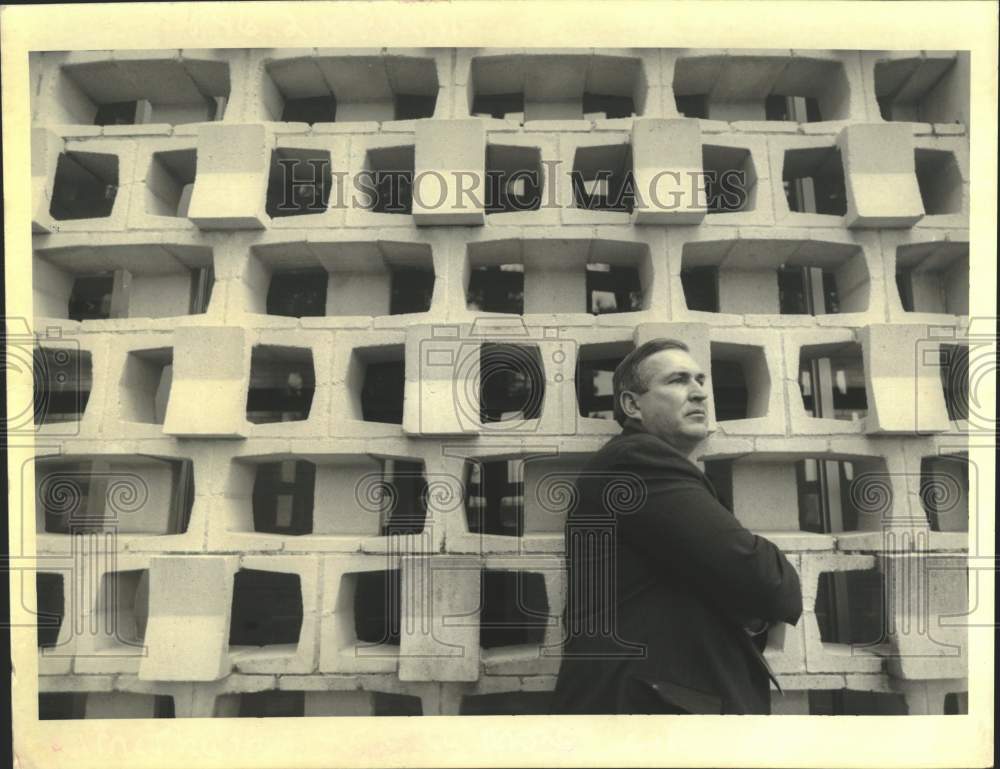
[927,608]
[440,639]
[761,366]
[667,163]
[188,629]
[904,380]
[818,345]
[356,355]
[209,389]
[443,374]
[832,657]
[98,176]
[111,594]
[230,188]
[449,172]
[340,649]
[879,176]
[164,182]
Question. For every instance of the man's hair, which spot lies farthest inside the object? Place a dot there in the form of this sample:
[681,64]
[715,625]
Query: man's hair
[627,374]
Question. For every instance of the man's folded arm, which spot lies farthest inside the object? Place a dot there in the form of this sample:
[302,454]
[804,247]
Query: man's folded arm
[687,531]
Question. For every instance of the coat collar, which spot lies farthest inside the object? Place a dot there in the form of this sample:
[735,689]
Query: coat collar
[634,427]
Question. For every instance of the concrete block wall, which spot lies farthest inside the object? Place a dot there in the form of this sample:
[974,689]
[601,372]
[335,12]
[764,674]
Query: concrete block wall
[188,255]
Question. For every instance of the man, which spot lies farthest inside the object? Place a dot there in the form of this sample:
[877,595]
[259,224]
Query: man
[669,597]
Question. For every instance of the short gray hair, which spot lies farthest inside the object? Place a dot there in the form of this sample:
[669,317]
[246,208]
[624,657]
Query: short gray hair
[627,376]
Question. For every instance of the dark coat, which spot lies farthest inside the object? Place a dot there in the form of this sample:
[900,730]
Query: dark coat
[662,582]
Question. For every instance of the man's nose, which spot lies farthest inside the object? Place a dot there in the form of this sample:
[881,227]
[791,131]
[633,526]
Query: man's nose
[697,391]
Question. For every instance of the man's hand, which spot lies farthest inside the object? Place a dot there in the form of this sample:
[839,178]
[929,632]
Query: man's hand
[756,627]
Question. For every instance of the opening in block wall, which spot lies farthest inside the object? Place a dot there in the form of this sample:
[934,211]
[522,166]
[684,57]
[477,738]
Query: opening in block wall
[944,491]
[747,87]
[145,385]
[51,594]
[527,87]
[338,279]
[376,378]
[343,89]
[809,494]
[933,277]
[850,702]
[514,179]
[730,179]
[853,612]
[379,496]
[103,705]
[85,186]
[170,181]
[595,367]
[813,180]
[377,603]
[832,381]
[283,497]
[63,378]
[146,280]
[575,276]
[922,88]
[123,494]
[779,277]
[955,376]
[741,383]
[602,178]
[282,383]
[939,180]
[494,496]
[514,609]
[299,182]
[507,704]
[123,609]
[387,180]
[511,382]
[173,89]
[266,609]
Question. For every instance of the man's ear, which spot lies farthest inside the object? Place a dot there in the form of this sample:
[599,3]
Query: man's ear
[629,405]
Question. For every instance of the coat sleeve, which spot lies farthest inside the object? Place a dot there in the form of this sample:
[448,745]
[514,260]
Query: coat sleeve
[685,531]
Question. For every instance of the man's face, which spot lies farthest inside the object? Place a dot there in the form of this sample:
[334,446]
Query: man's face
[673,407]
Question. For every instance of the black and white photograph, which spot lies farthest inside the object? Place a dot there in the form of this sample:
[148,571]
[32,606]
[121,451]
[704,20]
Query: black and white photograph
[373,385]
